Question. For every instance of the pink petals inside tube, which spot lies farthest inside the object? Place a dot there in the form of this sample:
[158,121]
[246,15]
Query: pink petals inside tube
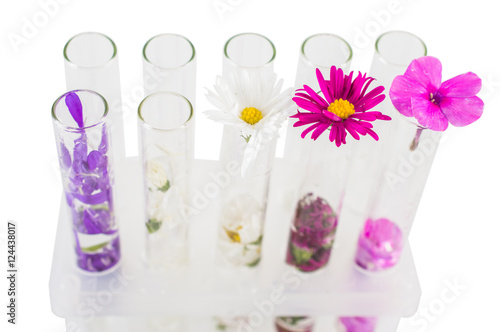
[379,245]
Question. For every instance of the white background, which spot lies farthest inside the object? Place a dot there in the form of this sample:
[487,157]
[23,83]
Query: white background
[455,235]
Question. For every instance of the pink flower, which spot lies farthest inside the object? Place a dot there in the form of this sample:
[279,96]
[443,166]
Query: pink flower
[379,245]
[342,108]
[359,324]
[419,93]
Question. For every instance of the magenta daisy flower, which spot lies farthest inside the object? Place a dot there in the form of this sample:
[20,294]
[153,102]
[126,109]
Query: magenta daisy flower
[342,107]
[419,93]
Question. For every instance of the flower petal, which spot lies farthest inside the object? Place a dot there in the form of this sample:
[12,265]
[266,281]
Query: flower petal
[356,126]
[312,127]
[223,117]
[74,105]
[90,225]
[320,130]
[427,71]
[370,100]
[333,132]
[308,105]
[366,125]
[462,111]
[344,132]
[322,86]
[366,116]
[346,86]
[339,80]
[308,117]
[243,89]
[372,134]
[357,87]
[65,156]
[103,146]
[403,89]
[224,104]
[465,85]
[320,101]
[351,130]
[368,81]
[331,116]
[428,114]
[80,151]
[338,136]
[94,159]
[95,199]
[339,86]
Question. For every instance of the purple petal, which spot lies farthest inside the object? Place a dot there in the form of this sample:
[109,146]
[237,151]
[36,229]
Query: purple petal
[75,107]
[426,71]
[103,146]
[462,111]
[79,157]
[428,114]
[94,160]
[89,223]
[88,184]
[69,198]
[108,257]
[465,85]
[65,156]
[92,199]
[403,89]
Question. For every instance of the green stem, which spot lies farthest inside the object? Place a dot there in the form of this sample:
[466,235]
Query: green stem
[246,138]
[94,248]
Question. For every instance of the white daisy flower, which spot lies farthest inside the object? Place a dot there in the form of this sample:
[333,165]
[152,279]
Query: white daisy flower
[240,236]
[156,206]
[254,105]
[250,102]
[243,217]
[164,206]
[156,174]
[230,324]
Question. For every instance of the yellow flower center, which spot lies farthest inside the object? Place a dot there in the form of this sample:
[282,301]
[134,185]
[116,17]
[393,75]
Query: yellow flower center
[234,236]
[342,108]
[251,115]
